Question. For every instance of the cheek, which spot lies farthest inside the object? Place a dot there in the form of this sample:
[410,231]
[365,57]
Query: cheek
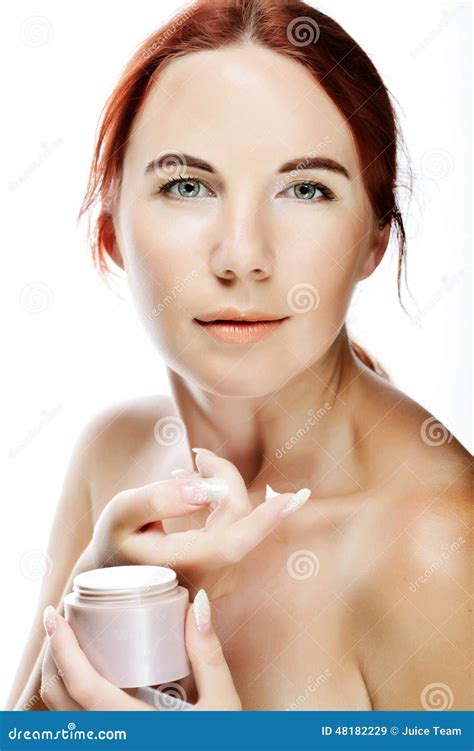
[320,277]
[160,254]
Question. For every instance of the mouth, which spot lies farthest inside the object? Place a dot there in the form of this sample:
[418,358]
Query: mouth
[243,329]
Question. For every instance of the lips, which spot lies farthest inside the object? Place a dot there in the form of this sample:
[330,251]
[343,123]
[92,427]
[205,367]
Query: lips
[240,331]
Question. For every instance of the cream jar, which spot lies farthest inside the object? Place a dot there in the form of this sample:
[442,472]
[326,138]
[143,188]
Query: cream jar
[129,621]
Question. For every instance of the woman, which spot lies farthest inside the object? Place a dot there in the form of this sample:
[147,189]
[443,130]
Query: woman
[244,179]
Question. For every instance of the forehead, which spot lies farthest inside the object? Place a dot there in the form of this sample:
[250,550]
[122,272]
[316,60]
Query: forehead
[239,103]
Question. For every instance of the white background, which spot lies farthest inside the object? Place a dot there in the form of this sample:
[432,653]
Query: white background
[84,347]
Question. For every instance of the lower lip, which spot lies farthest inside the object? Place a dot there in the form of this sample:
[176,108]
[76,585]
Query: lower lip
[240,332]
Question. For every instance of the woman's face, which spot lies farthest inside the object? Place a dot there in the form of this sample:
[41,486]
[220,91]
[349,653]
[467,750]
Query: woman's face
[245,235]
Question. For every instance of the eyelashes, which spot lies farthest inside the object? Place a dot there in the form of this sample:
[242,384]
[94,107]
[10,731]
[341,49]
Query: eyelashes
[165,188]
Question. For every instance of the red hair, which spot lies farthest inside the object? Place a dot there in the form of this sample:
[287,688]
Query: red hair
[292,28]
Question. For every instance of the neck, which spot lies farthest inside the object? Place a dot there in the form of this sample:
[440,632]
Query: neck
[297,434]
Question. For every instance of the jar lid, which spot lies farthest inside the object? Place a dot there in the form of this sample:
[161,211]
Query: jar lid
[125,581]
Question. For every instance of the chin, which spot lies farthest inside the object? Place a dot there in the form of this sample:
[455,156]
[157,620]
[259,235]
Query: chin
[250,383]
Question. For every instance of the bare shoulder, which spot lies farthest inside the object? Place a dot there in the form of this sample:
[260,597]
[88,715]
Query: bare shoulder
[402,440]
[411,605]
[125,441]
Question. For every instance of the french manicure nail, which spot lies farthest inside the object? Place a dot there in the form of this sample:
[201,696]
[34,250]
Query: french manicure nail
[200,449]
[295,502]
[204,490]
[49,620]
[270,493]
[202,611]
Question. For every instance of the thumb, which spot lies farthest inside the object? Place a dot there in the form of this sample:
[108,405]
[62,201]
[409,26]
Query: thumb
[216,689]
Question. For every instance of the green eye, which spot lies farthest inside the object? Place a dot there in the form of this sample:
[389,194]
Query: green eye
[306,191]
[187,187]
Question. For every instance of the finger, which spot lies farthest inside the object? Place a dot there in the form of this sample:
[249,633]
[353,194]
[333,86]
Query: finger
[246,533]
[53,690]
[181,496]
[82,681]
[214,683]
[237,503]
[208,548]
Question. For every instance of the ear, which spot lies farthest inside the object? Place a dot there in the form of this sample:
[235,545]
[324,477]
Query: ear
[108,238]
[380,238]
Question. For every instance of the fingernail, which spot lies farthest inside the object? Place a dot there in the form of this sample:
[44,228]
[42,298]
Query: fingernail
[204,490]
[202,611]
[295,502]
[181,472]
[207,450]
[49,620]
[270,493]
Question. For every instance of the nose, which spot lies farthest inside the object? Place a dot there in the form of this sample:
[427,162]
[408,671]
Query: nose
[243,252]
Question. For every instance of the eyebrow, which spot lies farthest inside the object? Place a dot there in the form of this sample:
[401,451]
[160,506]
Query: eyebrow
[294,164]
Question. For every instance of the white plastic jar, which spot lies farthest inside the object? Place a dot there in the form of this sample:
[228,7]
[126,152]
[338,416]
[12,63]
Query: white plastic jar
[129,621]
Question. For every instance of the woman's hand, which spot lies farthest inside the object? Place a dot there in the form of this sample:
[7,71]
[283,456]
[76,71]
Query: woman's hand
[70,682]
[130,528]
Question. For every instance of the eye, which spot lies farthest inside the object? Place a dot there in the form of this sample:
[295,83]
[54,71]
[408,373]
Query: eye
[307,190]
[184,187]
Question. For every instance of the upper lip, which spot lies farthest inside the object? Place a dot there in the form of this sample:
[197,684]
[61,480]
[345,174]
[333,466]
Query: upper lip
[232,314]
